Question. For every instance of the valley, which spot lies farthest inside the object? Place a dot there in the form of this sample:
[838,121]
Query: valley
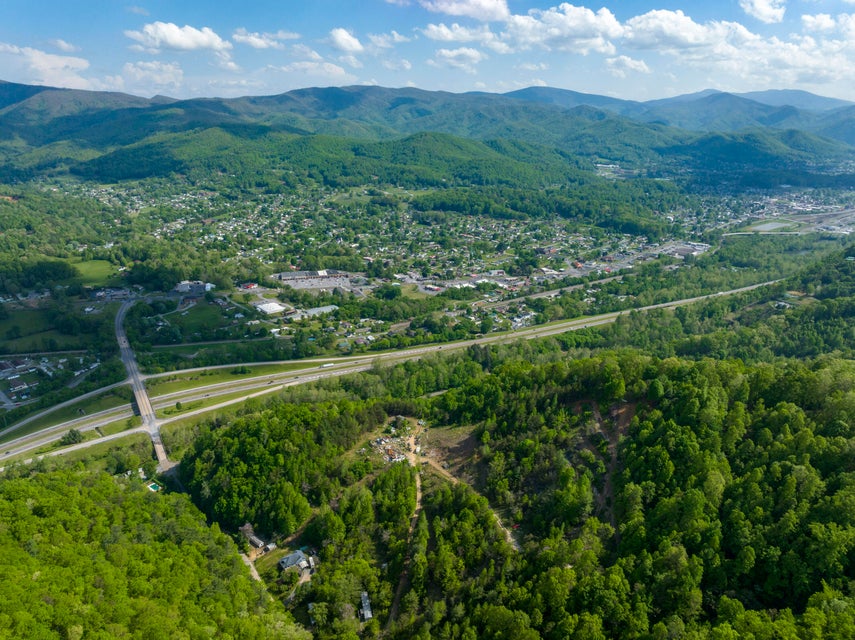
[539,364]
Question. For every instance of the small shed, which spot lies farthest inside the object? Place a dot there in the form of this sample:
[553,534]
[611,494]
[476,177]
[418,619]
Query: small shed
[366,607]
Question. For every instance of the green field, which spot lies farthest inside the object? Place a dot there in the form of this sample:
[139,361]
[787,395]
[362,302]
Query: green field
[30,330]
[121,425]
[97,273]
[23,323]
[412,291]
[44,341]
[198,318]
[138,443]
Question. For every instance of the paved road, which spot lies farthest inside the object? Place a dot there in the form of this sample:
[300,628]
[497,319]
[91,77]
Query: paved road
[273,382]
[149,419]
[83,396]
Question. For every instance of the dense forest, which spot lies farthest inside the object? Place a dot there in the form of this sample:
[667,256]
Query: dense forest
[649,496]
[87,555]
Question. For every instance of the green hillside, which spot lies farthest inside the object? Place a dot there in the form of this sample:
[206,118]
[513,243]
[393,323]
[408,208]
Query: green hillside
[46,130]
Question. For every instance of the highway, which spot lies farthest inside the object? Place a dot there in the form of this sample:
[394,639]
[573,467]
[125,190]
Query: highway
[269,383]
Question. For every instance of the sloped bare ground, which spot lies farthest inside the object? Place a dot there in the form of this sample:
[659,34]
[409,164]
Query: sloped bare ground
[613,429]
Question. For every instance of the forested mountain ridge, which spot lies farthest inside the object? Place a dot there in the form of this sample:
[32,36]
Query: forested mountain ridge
[49,130]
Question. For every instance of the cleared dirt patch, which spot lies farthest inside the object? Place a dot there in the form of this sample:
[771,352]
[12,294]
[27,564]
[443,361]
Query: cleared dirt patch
[451,450]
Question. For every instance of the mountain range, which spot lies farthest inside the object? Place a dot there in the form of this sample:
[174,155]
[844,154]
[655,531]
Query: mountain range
[51,130]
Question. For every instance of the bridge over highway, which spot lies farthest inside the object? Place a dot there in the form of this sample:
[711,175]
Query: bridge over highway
[141,399]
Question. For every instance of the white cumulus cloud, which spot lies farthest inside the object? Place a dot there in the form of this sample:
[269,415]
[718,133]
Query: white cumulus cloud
[620,66]
[387,40]
[351,61]
[565,28]
[305,52]
[345,41]
[397,65]
[741,59]
[819,22]
[464,58]
[316,69]
[456,33]
[65,47]
[532,66]
[263,40]
[768,11]
[43,68]
[167,35]
[668,30]
[486,10]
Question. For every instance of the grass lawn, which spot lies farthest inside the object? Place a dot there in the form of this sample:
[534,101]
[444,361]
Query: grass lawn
[412,291]
[202,316]
[109,400]
[266,564]
[97,273]
[63,415]
[121,425]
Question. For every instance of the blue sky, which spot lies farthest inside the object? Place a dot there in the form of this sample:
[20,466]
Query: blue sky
[630,49]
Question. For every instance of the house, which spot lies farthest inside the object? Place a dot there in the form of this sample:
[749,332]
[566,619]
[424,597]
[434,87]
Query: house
[365,610]
[297,559]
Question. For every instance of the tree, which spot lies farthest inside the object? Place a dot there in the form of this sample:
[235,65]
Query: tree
[72,436]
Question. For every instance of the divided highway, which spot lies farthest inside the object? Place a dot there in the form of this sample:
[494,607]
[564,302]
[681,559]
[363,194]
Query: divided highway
[268,383]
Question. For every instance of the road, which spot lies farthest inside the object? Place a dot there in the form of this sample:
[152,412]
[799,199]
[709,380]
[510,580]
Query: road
[269,383]
[149,419]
